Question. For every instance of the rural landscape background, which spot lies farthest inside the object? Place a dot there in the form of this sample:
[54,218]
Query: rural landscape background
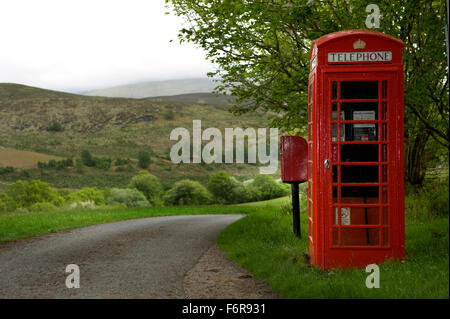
[100,153]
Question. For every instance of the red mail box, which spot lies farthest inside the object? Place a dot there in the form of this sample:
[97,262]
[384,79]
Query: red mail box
[294,159]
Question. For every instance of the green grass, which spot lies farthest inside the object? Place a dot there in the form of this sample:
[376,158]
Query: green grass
[23,225]
[263,243]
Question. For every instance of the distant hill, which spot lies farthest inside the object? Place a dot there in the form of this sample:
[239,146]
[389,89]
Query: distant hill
[111,127]
[198,98]
[157,88]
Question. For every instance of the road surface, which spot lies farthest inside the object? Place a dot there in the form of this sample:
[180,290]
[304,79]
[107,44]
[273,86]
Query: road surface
[141,258]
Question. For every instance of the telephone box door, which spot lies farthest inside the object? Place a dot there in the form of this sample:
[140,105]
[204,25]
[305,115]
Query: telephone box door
[359,165]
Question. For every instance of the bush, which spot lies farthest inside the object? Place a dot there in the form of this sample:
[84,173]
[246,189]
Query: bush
[42,207]
[264,187]
[102,162]
[148,185]
[87,194]
[226,189]
[55,126]
[131,197]
[25,194]
[6,170]
[121,161]
[144,159]
[187,192]
[87,159]
[7,204]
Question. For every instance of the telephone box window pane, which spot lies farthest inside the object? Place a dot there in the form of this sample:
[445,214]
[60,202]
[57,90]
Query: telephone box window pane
[359,194]
[385,89]
[359,111]
[357,216]
[334,111]
[385,236]
[335,132]
[384,132]
[359,153]
[335,194]
[335,173]
[334,91]
[384,111]
[360,236]
[384,152]
[385,194]
[385,216]
[384,174]
[358,132]
[359,174]
[359,90]
[310,93]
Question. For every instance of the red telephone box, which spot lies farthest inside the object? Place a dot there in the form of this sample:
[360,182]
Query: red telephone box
[355,149]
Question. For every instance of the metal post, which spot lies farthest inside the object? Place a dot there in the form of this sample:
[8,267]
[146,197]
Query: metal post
[296,209]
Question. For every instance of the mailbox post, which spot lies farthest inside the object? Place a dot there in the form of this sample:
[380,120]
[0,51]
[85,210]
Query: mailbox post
[355,150]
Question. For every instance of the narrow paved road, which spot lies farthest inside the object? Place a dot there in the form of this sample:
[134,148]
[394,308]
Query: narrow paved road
[142,258]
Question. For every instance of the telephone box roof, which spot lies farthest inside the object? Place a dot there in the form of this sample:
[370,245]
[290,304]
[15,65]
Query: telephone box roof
[341,35]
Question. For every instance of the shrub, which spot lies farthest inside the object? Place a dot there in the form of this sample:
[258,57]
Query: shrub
[187,192]
[55,126]
[42,207]
[7,204]
[87,194]
[128,196]
[25,194]
[265,187]
[102,162]
[144,159]
[121,161]
[6,170]
[86,158]
[226,189]
[148,185]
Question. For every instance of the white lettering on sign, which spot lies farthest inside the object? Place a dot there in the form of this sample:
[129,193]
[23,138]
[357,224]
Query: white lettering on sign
[348,57]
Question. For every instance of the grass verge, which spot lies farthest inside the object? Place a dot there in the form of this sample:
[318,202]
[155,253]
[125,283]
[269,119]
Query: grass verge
[263,243]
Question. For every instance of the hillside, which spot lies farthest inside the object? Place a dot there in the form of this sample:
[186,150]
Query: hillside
[157,88]
[108,127]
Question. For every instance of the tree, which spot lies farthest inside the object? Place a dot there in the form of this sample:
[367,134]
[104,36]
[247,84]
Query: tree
[261,48]
[144,159]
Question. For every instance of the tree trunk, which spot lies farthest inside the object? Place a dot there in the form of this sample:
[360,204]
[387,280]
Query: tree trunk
[415,158]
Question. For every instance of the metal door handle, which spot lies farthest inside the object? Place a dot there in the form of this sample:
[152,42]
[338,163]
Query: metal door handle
[326,163]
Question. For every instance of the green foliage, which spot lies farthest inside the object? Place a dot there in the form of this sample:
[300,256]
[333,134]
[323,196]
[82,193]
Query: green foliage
[131,197]
[430,201]
[149,185]
[6,170]
[55,126]
[186,192]
[121,161]
[25,194]
[87,159]
[144,159]
[87,194]
[264,187]
[102,162]
[169,115]
[7,204]
[226,189]
[42,207]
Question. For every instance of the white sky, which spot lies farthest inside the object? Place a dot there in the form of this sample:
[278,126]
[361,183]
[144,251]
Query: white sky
[79,45]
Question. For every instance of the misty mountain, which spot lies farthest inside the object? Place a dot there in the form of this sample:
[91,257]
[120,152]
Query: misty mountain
[158,88]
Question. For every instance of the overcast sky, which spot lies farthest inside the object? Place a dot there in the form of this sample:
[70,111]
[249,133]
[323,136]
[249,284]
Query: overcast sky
[79,45]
